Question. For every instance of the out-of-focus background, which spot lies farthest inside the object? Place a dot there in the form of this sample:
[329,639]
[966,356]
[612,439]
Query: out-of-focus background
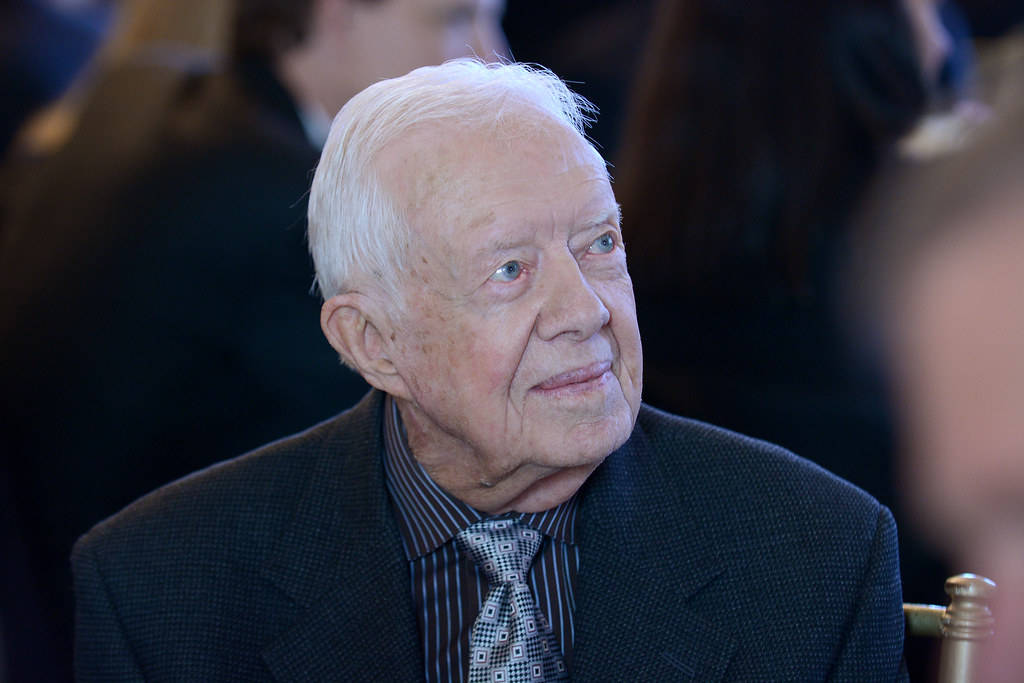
[155,304]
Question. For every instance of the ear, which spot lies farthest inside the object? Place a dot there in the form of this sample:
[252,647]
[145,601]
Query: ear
[347,321]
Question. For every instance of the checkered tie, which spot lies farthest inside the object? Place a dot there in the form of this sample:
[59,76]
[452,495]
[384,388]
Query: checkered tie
[511,640]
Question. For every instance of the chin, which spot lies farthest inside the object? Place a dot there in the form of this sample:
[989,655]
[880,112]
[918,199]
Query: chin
[590,443]
[553,490]
[615,427]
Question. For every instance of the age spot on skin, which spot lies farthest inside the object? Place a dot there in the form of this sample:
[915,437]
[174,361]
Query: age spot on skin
[482,220]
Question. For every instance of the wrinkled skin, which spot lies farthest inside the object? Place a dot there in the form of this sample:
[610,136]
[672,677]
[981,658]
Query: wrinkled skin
[519,353]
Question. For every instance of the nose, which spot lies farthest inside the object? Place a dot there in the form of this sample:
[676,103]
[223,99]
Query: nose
[489,42]
[570,305]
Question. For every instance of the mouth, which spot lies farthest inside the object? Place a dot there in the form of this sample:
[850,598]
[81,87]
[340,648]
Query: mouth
[579,379]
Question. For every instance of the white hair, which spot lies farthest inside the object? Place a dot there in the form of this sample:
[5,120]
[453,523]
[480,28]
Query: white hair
[358,235]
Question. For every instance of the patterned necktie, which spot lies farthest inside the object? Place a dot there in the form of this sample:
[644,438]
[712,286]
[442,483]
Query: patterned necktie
[511,640]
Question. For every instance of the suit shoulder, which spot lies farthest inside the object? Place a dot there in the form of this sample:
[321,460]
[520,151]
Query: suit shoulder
[769,478]
[778,530]
[238,503]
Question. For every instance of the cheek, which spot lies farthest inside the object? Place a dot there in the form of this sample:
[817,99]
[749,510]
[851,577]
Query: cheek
[620,303]
[626,332]
[491,358]
[471,359]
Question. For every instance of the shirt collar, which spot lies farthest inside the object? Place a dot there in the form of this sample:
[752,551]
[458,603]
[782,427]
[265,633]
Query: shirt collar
[428,516]
[316,123]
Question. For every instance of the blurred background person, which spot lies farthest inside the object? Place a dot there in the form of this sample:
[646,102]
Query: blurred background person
[149,37]
[943,274]
[754,133]
[594,44]
[168,217]
[944,39]
[34,72]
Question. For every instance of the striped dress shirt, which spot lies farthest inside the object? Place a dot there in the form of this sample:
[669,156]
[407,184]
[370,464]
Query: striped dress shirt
[447,588]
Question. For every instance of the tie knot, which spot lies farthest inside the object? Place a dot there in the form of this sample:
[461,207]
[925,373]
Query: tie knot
[502,548]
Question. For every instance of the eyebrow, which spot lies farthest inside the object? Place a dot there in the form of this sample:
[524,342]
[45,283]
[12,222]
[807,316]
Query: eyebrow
[599,218]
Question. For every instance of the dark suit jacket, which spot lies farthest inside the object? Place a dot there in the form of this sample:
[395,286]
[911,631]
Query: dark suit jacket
[156,313]
[704,556]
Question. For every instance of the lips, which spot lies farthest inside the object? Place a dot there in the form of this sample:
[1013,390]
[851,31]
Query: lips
[582,375]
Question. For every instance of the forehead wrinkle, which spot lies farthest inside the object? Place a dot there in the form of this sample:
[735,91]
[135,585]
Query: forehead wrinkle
[600,209]
[437,182]
[552,226]
[421,168]
[482,220]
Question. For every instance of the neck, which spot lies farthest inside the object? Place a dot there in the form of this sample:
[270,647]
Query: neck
[301,71]
[456,467]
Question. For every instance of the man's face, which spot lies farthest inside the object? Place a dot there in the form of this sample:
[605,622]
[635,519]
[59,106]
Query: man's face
[388,38]
[520,348]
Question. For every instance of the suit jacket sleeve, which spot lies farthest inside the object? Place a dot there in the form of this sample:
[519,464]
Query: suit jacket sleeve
[872,648]
[102,651]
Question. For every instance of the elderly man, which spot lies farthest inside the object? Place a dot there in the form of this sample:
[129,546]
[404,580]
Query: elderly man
[501,507]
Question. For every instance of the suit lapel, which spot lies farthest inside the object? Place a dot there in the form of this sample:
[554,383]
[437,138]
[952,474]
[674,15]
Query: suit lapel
[642,557]
[341,564]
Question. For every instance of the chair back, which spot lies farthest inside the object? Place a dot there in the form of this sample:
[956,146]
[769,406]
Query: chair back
[963,626]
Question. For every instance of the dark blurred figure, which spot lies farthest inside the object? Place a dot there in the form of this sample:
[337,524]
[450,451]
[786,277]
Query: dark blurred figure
[992,18]
[596,45]
[754,132]
[156,313]
[42,48]
[942,272]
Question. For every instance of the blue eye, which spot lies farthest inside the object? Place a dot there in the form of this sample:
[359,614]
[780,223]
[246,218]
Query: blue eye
[603,244]
[508,272]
